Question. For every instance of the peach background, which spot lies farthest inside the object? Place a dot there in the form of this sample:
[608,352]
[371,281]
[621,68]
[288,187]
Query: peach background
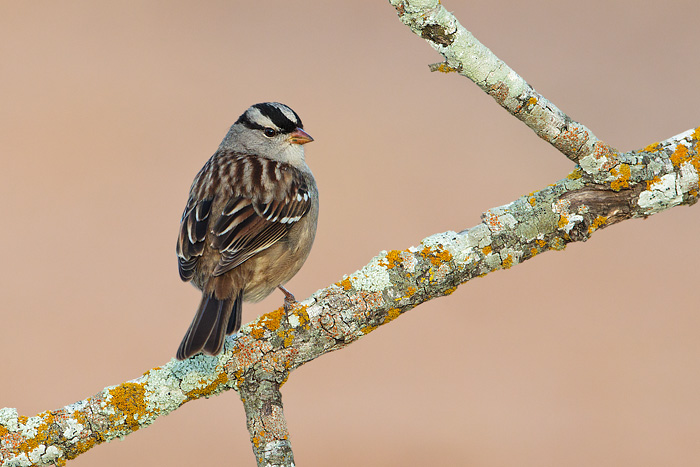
[586,357]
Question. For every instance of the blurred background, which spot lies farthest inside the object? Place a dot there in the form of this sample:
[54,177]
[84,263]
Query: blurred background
[584,357]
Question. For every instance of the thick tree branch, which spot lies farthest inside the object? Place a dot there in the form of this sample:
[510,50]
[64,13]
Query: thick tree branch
[467,56]
[607,187]
[263,354]
[265,419]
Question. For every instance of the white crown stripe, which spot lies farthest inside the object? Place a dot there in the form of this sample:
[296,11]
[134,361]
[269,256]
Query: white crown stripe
[288,113]
[257,117]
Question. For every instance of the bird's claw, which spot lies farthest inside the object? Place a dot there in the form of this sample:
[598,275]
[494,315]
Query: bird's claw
[289,300]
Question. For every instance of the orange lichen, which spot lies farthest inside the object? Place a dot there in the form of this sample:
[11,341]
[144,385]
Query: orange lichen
[597,223]
[445,68]
[129,399]
[302,316]
[394,258]
[576,174]
[444,256]
[410,291]
[541,243]
[532,201]
[499,91]
[239,377]
[573,137]
[270,322]
[508,262]
[425,252]
[601,149]
[486,250]
[533,251]
[257,332]
[369,328]
[680,155]
[345,284]
[285,377]
[696,134]
[557,244]
[450,290]
[209,389]
[653,147]
[391,315]
[12,441]
[622,181]
[436,255]
[21,443]
[492,221]
[563,221]
[532,101]
[89,441]
[652,181]
[83,445]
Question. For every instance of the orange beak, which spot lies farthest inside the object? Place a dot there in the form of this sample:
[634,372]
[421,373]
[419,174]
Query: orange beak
[299,136]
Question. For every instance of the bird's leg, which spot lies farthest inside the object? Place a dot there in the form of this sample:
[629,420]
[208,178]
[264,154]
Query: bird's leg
[289,300]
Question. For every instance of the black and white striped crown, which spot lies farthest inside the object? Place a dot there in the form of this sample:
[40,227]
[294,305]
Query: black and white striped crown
[271,115]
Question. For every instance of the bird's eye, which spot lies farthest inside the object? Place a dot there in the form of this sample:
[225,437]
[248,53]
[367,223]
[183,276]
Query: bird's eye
[269,132]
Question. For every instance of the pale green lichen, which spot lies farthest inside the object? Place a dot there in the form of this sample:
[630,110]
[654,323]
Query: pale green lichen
[374,277]
[592,165]
[9,419]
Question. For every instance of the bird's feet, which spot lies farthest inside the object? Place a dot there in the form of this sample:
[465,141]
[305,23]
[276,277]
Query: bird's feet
[289,300]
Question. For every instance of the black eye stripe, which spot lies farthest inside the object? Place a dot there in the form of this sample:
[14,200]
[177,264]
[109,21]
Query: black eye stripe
[249,123]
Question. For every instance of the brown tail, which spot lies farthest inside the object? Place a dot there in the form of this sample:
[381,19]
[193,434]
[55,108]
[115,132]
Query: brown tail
[214,319]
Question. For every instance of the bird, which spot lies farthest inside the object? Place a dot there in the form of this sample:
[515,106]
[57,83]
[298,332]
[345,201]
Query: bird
[249,222]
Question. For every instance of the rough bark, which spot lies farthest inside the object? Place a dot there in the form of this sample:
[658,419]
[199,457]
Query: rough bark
[465,55]
[259,360]
[606,187]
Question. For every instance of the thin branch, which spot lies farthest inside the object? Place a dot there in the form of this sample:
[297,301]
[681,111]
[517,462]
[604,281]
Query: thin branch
[467,56]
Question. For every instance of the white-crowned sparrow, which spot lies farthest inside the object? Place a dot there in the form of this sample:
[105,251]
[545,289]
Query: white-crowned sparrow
[249,223]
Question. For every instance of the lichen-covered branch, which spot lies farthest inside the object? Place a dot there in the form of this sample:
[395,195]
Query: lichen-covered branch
[260,358]
[269,435]
[605,188]
[467,56]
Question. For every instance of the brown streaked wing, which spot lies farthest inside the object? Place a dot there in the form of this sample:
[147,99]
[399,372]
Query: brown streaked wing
[242,233]
[193,230]
[247,227]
